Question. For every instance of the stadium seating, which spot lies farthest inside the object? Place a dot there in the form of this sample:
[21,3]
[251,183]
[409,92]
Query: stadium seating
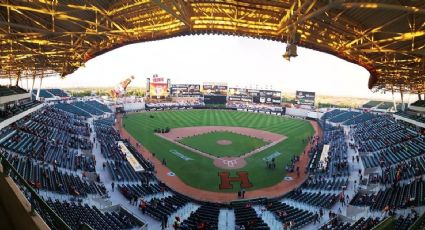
[58,92]
[344,116]
[43,93]
[359,119]
[105,121]
[419,103]
[404,170]
[336,161]
[207,214]
[371,104]
[52,137]
[88,108]
[316,199]
[11,90]
[332,114]
[386,105]
[382,137]
[18,108]
[99,106]
[56,118]
[320,183]
[6,91]
[403,223]
[363,199]
[362,223]
[400,105]
[41,176]
[286,213]
[108,136]
[395,154]
[72,109]
[246,216]
[77,214]
[400,196]
[122,171]
[419,224]
[164,207]
[131,190]
[412,115]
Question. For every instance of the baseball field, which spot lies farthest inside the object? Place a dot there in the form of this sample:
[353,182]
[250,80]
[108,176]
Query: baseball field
[199,138]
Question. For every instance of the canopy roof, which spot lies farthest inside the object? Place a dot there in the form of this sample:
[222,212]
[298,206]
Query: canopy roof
[387,37]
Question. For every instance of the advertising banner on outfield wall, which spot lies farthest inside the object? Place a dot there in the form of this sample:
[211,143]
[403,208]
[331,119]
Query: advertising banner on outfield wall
[240,98]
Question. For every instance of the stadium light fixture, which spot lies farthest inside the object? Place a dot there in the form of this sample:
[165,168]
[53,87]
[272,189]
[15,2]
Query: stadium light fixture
[291,51]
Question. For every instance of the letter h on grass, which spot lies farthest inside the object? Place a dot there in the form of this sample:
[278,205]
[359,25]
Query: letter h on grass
[226,181]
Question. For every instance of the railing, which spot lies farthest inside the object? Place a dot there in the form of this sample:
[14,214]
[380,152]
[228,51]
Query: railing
[34,199]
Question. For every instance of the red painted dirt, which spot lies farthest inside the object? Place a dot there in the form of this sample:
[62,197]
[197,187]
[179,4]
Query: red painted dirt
[221,197]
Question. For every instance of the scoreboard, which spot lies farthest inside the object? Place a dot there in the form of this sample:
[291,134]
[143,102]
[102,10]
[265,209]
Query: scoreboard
[158,87]
[268,97]
[255,96]
[214,88]
[185,90]
[215,99]
[305,98]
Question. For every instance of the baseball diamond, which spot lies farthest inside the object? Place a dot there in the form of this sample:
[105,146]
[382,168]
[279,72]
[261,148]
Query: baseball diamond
[195,133]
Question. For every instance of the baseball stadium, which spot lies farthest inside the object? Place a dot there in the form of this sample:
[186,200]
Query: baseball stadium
[207,152]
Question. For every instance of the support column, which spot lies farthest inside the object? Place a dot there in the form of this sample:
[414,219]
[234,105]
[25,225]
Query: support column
[22,83]
[33,83]
[408,100]
[419,96]
[39,88]
[18,77]
[395,105]
[402,101]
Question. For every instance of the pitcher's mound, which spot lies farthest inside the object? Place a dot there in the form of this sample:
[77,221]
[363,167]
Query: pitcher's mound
[224,142]
[230,162]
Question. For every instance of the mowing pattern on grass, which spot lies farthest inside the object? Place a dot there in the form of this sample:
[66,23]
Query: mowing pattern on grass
[208,143]
[200,172]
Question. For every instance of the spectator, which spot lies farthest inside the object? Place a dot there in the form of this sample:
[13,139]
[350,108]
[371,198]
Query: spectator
[176,224]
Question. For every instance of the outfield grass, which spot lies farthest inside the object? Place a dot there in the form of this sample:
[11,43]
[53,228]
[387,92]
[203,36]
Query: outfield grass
[207,143]
[200,172]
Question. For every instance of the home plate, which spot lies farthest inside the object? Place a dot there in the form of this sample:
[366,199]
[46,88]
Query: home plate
[288,178]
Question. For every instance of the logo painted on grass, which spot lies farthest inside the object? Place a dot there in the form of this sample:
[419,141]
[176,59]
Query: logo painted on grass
[230,163]
[180,155]
[273,155]
[226,181]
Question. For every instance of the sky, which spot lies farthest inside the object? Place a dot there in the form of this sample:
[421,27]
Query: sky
[239,61]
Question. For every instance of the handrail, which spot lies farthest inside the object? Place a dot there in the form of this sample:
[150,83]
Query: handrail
[9,169]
